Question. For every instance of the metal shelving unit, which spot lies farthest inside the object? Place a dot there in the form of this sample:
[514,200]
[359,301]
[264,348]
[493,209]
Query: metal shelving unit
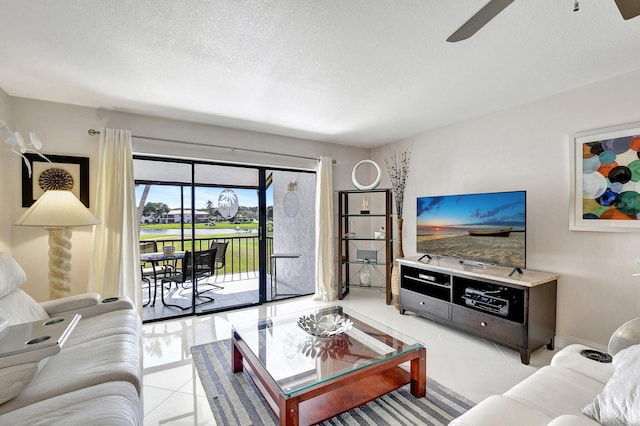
[349,244]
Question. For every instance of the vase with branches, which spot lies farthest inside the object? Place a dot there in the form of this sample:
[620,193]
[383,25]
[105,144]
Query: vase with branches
[398,169]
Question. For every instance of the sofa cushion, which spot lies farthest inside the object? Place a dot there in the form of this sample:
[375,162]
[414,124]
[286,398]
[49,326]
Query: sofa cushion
[556,391]
[111,403]
[15,378]
[619,401]
[11,274]
[573,420]
[18,307]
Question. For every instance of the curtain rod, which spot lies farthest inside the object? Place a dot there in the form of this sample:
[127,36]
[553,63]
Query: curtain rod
[94,132]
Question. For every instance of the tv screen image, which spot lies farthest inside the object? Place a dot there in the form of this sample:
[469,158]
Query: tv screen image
[489,228]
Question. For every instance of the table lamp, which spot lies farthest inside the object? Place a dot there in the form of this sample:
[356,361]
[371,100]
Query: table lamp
[57,211]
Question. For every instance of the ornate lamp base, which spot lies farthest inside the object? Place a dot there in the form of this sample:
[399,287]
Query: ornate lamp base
[59,262]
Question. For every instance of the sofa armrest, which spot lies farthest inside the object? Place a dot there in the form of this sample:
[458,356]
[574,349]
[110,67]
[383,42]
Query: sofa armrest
[571,359]
[87,305]
[70,303]
[499,410]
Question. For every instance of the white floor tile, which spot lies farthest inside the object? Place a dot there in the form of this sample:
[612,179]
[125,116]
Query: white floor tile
[468,365]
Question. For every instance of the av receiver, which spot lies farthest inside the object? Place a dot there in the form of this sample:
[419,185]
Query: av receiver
[486,300]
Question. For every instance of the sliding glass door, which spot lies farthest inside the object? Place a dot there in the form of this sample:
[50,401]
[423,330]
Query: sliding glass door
[260,223]
[230,194]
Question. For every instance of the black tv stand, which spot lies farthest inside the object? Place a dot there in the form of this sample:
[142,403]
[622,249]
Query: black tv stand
[515,269]
[517,311]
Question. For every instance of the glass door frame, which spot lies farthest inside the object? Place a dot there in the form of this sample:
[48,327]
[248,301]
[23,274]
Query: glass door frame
[261,189]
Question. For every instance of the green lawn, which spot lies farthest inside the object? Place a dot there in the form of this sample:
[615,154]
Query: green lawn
[242,252]
[218,225]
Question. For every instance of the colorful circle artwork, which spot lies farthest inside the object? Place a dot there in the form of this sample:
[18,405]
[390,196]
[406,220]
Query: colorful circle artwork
[611,172]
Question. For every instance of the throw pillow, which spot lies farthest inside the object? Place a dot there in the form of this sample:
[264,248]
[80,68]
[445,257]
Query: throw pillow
[619,402]
[18,307]
[11,274]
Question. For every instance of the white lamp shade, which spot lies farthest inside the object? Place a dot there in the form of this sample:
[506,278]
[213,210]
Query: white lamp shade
[57,208]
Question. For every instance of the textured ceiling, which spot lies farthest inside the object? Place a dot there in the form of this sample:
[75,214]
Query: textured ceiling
[358,72]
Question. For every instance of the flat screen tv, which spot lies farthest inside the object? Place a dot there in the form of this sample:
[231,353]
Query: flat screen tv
[488,228]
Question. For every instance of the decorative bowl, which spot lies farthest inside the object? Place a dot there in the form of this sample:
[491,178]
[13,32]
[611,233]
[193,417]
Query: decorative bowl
[324,348]
[327,325]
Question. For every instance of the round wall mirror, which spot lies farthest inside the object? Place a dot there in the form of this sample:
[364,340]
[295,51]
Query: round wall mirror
[366,187]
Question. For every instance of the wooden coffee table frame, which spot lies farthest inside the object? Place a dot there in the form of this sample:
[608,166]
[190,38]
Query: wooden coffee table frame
[330,398]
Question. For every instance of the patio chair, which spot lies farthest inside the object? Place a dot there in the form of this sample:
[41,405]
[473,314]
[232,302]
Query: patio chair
[221,254]
[204,262]
[149,271]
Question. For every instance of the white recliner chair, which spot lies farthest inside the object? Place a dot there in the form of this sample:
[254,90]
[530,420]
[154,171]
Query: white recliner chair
[78,360]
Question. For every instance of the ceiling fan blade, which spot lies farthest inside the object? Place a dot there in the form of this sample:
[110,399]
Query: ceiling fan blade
[628,8]
[480,19]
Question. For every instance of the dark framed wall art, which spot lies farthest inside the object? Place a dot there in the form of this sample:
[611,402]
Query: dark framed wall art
[63,172]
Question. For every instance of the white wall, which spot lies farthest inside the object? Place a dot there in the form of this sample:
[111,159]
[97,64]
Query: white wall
[63,130]
[527,147]
[5,188]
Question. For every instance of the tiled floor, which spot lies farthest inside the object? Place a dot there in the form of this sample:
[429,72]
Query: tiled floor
[173,396]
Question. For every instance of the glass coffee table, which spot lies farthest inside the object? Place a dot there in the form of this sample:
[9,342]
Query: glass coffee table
[313,365]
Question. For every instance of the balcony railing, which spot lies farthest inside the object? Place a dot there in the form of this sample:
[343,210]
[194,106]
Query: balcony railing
[241,257]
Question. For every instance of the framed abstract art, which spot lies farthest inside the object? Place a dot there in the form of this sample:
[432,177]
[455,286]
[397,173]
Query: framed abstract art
[605,179]
[63,172]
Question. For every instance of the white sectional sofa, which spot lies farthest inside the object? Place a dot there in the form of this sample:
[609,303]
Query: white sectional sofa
[573,390]
[94,377]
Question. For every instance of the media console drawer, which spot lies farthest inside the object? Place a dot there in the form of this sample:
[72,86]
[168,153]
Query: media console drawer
[484,325]
[419,303]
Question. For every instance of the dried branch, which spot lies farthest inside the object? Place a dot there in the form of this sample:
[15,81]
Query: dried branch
[398,168]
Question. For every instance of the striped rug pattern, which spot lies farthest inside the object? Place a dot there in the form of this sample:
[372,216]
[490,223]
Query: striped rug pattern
[235,400]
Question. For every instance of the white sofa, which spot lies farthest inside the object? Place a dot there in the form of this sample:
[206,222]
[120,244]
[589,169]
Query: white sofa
[573,390]
[94,378]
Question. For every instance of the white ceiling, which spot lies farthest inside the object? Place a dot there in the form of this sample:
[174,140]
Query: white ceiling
[358,72]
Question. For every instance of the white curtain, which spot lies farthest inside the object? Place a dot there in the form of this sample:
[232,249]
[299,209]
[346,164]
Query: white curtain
[326,288]
[115,265]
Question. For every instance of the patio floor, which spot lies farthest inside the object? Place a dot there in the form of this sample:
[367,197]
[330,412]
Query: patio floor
[237,292]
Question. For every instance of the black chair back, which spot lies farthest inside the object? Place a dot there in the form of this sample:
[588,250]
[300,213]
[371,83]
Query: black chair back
[203,260]
[221,252]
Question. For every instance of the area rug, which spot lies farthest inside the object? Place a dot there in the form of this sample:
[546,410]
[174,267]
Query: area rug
[235,400]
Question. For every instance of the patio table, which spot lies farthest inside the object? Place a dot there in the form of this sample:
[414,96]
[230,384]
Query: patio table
[155,258]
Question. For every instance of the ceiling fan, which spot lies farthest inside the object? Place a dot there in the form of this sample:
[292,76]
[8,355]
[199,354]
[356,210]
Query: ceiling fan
[628,8]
